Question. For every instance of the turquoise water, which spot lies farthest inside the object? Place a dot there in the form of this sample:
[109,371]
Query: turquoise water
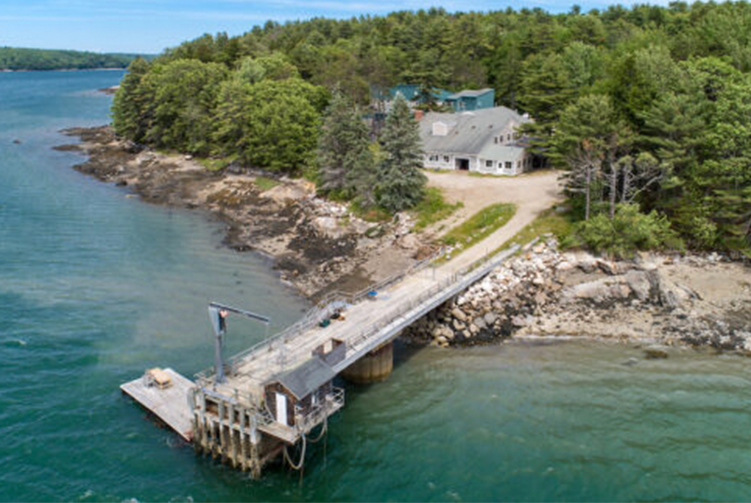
[95,286]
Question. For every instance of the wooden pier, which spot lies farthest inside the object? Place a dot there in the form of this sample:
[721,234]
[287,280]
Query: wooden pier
[274,394]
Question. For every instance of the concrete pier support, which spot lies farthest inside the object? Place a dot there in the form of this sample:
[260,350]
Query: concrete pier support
[376,366]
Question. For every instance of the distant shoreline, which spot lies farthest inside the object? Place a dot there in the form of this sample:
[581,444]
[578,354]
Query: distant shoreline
[7,70]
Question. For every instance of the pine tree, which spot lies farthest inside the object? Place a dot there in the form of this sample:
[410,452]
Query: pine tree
[344,139]
[400,182]
[361,179]
[131,107]
[544,93]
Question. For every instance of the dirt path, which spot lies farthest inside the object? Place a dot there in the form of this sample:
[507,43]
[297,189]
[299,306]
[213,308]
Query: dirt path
[532,194]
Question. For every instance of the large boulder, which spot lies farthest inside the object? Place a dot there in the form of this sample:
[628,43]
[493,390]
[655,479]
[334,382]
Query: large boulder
[640,284]
[599,291]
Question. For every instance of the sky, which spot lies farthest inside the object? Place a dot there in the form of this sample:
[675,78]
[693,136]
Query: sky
[149,26]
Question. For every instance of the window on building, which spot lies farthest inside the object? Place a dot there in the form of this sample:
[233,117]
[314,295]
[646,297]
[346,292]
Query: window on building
[496,139]
[509,165]
[488,164]
[445,158]
[508,137]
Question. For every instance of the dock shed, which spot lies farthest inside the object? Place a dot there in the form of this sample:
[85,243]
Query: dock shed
[297,393]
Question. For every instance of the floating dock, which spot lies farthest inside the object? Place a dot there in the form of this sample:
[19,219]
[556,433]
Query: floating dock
[169,404]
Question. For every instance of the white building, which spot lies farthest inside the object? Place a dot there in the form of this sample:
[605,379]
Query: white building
[483,141]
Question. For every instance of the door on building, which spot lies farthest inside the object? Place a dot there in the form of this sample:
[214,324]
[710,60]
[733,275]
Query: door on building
[462,164]
[281,408]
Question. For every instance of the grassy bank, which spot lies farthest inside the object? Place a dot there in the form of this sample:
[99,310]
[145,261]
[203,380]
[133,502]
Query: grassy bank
[548,222]
[433,208]
[481,225]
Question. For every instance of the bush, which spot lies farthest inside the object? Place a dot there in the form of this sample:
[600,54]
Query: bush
[629,231]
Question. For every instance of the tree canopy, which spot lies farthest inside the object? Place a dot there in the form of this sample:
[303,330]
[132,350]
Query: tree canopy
[646,106]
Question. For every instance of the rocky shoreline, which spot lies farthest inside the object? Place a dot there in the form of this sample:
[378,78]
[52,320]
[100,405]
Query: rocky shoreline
[317,245]
[655,300]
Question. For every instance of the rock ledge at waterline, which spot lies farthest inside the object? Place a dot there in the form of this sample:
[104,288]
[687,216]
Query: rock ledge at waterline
[694,300]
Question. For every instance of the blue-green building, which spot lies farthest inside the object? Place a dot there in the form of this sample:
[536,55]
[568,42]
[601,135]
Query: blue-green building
[463,101]
[469,100]
[412,93]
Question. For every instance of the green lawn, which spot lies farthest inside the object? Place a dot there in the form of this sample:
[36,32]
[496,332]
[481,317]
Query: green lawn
[479,226]
[433,208]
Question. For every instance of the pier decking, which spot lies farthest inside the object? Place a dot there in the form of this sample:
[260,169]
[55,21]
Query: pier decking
[170,404]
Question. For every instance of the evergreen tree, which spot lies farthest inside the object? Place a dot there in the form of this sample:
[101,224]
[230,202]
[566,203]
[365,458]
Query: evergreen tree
[674,128]
[344,138]
[131,107]
[545,92]
[362,177]
[400,183]
[724,180]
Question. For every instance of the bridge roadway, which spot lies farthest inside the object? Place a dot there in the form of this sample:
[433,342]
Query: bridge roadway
[367,325]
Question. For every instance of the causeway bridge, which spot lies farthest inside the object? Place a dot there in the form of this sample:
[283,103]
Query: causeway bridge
[274,394]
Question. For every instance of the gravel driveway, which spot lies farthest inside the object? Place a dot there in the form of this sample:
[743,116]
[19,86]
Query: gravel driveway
[532,193]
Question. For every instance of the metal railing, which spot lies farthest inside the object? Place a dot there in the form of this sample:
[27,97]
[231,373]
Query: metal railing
[333,401]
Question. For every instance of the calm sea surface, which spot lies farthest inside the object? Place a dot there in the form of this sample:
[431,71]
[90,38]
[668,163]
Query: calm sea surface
[96,286]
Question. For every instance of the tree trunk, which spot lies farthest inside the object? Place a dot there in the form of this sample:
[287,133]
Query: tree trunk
[626,182]
[613,188]
[587,191]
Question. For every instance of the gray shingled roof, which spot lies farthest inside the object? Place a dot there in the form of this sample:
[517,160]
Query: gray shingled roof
[469,132]
[469,93]
[502,152]
[306,378]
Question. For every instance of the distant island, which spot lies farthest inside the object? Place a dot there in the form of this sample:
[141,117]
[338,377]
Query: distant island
[13,58]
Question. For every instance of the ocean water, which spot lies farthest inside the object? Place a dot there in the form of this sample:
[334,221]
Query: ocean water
[96,286]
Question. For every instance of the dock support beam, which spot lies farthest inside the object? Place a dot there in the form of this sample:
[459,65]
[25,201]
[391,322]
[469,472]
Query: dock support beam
[255,451]
[375,366]
[227,432]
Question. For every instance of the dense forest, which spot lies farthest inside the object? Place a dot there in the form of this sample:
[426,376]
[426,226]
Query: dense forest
[648,108]
[12,58]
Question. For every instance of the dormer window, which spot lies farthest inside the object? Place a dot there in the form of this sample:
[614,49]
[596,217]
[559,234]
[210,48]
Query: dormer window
[440,129]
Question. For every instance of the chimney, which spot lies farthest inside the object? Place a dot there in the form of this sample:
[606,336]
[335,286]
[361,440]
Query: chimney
[419,114]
